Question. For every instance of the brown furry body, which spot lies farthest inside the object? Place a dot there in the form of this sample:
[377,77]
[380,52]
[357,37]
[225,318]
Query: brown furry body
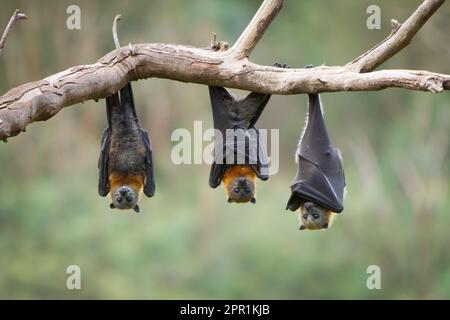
[127,151]
[125,162]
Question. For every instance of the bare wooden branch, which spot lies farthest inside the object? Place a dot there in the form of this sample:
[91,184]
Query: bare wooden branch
[114,31]
[399,38]
[256,28]
[40,100]
[17,15]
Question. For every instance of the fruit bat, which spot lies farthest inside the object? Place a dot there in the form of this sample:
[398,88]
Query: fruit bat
[318,189]
[239,152]
[125,163]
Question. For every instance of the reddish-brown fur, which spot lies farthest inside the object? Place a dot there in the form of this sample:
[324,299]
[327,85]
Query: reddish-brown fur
[236,171]
[136,182]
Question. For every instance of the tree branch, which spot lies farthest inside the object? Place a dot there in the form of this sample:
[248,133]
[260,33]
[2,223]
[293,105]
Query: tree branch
[40,100]
[256,28]
[399,38]
[16,16]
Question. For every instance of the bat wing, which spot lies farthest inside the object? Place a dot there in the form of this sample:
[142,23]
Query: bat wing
[320,176]
[216,174]
[255,104]
[245,147]
[261,167]
[314,184]
[149,187]
[221,100]
[126,97]
[103,181]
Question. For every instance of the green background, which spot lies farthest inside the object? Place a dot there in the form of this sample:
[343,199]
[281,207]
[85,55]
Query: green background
[188,242]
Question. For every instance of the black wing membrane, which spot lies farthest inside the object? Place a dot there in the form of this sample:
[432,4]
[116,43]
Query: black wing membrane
[126,97]
[103,181]
[221,100]
[221,103]
[216,173]
[255,102]
[320,176]
[149,186]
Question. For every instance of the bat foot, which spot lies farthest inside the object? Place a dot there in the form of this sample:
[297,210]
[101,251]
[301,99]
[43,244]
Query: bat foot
[281,65]
[131,49]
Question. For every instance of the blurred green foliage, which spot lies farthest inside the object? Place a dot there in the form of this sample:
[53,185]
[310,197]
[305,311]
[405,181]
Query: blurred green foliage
[189,243]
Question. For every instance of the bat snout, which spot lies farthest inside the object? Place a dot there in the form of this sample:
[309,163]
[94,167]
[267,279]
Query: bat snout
[125,198]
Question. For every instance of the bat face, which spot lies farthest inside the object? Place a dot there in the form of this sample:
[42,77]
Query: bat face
[241,190]
[239,182]
[314,217]
[124,198]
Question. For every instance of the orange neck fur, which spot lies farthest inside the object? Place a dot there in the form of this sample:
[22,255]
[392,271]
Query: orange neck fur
[235,171]
[136,182]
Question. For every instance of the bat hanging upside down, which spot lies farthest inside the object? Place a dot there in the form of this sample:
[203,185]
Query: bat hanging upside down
[125,162]
[239,182]
[319,187]
[247,150]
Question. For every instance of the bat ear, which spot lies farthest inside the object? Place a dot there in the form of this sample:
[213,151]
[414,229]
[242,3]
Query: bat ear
[229,200]
[302,227]
[253,200]
[136,208]
[112,206]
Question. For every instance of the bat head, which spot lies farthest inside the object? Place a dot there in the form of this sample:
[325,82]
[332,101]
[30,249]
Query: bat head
[241,189]
[124,198]
[314,217]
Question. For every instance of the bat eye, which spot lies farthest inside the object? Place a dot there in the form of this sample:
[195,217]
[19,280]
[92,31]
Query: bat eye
[129,199]
[305,216]
[236,190]
[315,216]
[119,199]
[247,190]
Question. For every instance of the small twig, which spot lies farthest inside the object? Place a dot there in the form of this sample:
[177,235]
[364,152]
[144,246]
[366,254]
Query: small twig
[256,28]
[17,15]
[218,45]
[394,25]
[114,32]
[214,40]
